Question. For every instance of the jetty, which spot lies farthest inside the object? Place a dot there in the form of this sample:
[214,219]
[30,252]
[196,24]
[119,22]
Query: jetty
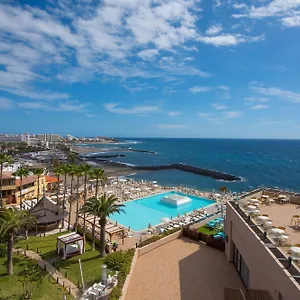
[182,167]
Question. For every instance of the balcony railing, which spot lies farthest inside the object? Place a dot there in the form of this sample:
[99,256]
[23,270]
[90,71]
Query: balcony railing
[286,262]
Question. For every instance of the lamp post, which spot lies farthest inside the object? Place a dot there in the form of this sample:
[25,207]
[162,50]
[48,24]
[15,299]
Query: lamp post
[103,275]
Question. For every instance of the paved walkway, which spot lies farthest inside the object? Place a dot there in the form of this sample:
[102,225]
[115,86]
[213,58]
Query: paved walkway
[182,270]
[70,286]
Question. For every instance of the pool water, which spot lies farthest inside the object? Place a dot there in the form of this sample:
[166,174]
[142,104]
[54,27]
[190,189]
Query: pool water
[139,213]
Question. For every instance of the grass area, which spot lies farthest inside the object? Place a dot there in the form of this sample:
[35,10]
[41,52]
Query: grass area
[12,288]
[91,267]
[91,261]
[47,245]
[207,230]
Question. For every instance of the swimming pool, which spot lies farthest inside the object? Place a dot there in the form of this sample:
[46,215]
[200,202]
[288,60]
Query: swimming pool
[139,213]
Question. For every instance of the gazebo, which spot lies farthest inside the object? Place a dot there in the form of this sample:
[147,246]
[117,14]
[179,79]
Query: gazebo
[69,244]
[48,214]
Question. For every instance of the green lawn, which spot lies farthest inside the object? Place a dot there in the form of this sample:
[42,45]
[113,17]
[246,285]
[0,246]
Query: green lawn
[47,245]
[91,267]
[207,230]
[11,288]
[91,262]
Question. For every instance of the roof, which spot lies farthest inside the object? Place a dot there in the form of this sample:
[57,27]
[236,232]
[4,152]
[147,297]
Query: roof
[7,175]
[52,179]
[26,180]
[47,211]
[70,238]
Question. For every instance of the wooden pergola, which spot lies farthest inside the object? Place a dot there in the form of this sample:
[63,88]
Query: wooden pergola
[110,229]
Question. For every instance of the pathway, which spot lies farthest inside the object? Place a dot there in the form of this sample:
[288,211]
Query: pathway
[70,286]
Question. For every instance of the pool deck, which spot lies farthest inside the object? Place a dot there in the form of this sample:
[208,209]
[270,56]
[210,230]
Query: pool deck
[182,270]
[208,208]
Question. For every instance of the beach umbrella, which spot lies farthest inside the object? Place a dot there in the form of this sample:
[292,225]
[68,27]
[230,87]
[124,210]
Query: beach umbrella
[165,220]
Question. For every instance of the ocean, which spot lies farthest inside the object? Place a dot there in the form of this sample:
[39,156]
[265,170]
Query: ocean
[260,163]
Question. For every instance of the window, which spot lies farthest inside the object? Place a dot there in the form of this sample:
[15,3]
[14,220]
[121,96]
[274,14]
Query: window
[241,266]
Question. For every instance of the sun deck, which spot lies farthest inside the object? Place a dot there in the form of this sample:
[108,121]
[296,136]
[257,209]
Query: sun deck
[182,269]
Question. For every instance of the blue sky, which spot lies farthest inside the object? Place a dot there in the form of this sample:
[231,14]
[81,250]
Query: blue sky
[151,68]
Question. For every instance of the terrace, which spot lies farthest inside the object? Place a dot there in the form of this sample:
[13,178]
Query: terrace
[268,232]
[182,269]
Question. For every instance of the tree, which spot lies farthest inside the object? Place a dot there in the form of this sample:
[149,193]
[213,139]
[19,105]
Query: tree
[223,189]
[22,172]
[11,220]
[29,276]
[71,172]
[58,170]
[78,173]
[38,172]
[98,174]
[30,222]
[4,159]
[102,207]
[65,171]
[86,170]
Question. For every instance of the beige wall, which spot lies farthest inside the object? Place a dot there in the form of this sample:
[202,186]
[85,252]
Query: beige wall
[159,243]
[266,273]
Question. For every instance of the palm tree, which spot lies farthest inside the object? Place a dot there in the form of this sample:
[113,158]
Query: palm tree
[98,174]
[22,172]
[4,159]
[58,170]
[30,222]
[223,189]
[102,207]
[72,173]
[86,170]
[11,220]
[38,172]
[79,173]
[65,171]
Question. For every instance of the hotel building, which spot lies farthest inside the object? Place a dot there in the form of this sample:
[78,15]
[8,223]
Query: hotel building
[264,263]
[11,188]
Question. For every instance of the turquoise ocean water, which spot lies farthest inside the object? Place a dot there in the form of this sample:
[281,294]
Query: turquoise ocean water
[269,163]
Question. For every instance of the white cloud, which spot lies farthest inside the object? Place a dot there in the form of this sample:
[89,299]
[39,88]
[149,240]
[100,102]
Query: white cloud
[256,99]
[43,95]
[287,10]
[214,29]
[229,39]
[71,106]
[260,106]
[219,106]
[279,93]
[139,110]
[174,113]
[203,89]
[199,89]
[172,126]
[148,54]
[5,103]
[293,21]
[231,114]
[220,117]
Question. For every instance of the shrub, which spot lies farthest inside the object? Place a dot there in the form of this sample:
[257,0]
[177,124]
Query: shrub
[2,250]
[116,293]
[88,236]
[115,260]
[124,263]
[157,237]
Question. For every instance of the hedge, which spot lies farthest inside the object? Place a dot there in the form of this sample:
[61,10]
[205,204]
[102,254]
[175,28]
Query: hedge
[157,237]
[88,236]
[120,261]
